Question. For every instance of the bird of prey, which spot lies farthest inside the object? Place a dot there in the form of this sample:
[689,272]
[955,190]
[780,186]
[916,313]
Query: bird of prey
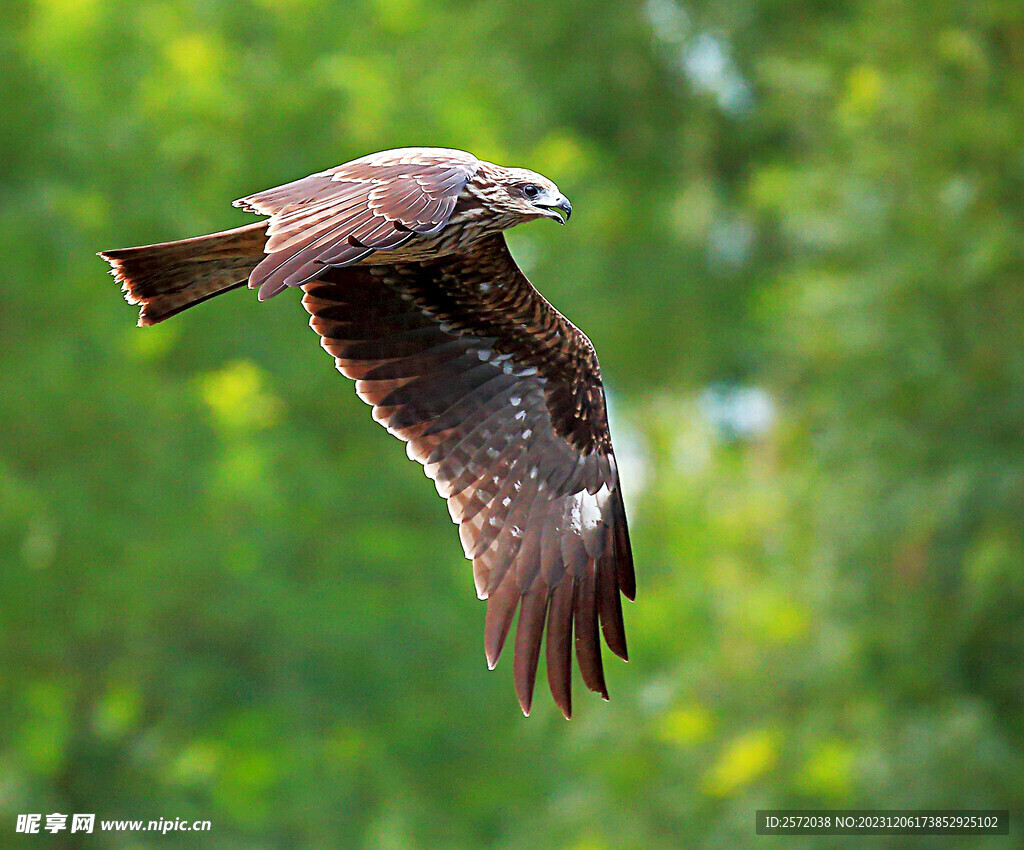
[409,283]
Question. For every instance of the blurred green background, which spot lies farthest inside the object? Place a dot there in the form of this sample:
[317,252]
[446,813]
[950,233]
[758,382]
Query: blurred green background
[798,247]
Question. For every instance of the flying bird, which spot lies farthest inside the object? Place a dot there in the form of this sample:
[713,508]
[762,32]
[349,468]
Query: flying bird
[410,284]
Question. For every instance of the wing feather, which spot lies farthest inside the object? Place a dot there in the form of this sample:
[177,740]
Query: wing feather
[501,608]
[559,645]
[529,630]
[588,645]
[341,216]
[609,606]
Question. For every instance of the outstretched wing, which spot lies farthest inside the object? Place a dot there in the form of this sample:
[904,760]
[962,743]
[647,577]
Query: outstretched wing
[342,215]
[500,398]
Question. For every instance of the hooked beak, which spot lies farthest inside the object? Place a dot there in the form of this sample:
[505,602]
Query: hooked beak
[562,206]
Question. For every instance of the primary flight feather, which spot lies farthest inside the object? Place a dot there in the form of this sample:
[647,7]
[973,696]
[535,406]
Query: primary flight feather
[409,283]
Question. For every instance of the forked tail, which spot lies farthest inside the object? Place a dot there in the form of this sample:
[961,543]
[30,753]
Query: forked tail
[169,277]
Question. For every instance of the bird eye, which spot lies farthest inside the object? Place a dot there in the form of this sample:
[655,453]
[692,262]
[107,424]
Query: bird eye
[531,191]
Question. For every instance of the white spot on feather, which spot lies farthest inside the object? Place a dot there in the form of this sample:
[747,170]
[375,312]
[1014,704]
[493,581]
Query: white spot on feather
[586,509]
[593,508]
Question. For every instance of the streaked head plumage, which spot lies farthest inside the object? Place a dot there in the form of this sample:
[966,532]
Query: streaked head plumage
[524,195]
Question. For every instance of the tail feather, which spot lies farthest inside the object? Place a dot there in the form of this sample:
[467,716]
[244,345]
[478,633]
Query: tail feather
[169,277]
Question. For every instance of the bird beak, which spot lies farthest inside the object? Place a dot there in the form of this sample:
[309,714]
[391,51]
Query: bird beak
[562,206]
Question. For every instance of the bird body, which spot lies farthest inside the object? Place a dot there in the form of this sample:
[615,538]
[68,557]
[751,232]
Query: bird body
[409,283]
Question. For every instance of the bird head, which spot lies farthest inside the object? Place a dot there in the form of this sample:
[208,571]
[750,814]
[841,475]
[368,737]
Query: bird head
[527,195]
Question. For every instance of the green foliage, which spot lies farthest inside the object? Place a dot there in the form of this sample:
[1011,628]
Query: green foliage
[225,594]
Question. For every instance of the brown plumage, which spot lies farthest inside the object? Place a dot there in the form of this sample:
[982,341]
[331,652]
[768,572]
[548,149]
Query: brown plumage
[411,287]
